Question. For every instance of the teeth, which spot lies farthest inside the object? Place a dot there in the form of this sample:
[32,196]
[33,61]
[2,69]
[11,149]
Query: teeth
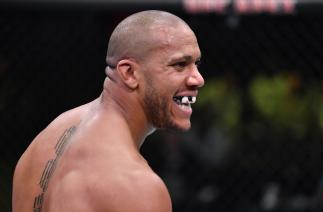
[185,100]
[188,99]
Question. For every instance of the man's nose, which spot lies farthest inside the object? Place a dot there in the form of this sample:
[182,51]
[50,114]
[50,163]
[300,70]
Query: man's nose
[195,79]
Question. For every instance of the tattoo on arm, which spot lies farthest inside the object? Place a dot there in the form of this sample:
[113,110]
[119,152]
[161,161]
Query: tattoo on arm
[50,167]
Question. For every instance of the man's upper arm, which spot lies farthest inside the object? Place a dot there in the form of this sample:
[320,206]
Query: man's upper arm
[146,193]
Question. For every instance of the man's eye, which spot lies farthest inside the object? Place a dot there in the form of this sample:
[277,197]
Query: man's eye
[180,64]
[198,63]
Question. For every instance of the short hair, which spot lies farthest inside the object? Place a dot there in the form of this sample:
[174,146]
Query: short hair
[132,36]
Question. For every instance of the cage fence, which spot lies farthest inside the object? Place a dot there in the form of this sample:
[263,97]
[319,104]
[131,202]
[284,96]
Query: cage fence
[256,137]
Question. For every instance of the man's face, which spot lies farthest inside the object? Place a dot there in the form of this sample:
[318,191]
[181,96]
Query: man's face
[172,79]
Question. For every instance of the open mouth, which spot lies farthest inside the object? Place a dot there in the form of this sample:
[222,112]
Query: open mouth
[184,100]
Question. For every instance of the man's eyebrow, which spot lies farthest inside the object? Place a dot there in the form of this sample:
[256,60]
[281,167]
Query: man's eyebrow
[111,66]
[184,58]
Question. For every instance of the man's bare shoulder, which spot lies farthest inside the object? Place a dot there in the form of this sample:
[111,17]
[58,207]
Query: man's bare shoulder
[137,190]
[61,123]
[143,191]
[132,191]
[70,117]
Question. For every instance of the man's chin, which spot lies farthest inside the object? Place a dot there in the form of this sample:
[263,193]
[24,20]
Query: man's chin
[179,127]
[174,125]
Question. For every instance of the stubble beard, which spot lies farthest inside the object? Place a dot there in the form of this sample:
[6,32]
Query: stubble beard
[158,110]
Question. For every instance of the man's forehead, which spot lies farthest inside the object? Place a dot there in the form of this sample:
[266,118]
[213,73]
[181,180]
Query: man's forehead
[174,37]
[179,42]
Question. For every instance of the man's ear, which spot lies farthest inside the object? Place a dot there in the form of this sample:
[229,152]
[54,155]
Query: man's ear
[127,70]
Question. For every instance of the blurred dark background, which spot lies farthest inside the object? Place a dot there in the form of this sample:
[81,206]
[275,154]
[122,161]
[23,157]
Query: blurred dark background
[256,140]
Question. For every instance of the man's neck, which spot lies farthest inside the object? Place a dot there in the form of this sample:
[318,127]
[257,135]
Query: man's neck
[127,111]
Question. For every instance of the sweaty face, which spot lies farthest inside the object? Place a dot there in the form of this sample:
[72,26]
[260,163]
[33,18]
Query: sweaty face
[172,80]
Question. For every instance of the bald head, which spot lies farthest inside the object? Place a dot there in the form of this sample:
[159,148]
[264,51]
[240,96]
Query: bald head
[139,33]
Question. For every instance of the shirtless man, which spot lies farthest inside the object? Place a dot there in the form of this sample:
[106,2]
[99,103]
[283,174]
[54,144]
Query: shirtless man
[88,158]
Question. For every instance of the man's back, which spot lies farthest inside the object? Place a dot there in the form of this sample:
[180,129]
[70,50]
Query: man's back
[32,166]
[78,163]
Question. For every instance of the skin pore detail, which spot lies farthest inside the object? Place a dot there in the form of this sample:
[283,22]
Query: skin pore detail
[51,166]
